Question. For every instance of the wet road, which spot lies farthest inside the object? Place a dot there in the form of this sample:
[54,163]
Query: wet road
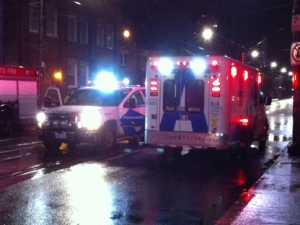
[130,186]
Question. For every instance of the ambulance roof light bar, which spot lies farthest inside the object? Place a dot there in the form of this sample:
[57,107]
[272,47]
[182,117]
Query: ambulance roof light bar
[166,66]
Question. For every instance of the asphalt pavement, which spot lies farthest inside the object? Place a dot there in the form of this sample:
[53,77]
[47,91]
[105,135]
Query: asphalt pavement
[273,199]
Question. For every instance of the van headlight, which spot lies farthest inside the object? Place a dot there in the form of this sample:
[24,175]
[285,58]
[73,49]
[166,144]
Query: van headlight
[41,118]
[89,119]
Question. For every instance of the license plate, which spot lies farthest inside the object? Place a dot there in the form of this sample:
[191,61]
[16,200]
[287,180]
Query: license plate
[60,135]
[212,140]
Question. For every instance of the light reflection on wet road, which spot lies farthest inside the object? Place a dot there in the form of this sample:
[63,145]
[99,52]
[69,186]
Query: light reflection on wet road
[141,186]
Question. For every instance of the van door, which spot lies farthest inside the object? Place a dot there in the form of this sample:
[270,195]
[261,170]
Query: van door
[132,114]
[183,103]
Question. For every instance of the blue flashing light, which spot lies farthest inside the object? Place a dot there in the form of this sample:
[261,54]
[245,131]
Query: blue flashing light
[106,82]
[166,66]
[198,66]
[126,81]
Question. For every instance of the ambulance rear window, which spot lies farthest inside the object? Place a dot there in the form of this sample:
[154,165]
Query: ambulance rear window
[170,96]
[194,96]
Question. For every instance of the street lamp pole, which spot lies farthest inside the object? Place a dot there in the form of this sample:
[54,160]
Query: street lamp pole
[294,148]
[40,50]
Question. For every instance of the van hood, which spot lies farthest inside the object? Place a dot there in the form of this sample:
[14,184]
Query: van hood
[77,109]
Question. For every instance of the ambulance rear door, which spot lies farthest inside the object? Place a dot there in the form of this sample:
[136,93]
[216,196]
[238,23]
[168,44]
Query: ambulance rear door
[184,92]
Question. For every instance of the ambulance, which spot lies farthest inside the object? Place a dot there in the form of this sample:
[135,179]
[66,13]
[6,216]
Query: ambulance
[209,102]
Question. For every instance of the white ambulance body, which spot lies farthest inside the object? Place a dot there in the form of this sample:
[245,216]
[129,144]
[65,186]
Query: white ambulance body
[203,102]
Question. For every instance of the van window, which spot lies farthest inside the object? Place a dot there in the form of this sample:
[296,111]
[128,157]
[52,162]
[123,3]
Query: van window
[194,96]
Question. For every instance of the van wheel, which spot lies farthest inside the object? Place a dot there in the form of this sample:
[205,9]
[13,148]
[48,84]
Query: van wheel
[52,146]
[6,123]
[108,138]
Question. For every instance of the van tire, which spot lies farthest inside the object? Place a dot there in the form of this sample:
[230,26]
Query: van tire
[52,146]
[108,138]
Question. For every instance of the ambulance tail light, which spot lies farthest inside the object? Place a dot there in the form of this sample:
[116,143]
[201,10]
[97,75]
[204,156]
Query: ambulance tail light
[233,71]
[216,88]
[153,87]
[244,121]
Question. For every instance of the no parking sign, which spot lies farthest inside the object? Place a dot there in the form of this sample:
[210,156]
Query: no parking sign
[295,53]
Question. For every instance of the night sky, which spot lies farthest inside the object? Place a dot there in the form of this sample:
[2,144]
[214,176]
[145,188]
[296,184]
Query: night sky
[174,26]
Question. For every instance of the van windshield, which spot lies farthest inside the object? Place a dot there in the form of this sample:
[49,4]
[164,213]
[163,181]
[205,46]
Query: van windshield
[95,97]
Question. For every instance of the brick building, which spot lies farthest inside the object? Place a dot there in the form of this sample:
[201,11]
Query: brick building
[78,40]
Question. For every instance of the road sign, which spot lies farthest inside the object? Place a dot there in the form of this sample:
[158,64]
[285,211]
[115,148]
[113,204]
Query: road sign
[295,23]
[295,53]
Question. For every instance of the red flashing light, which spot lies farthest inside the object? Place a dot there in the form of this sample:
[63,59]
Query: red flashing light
[153,87]
[214,64]
[154,65]
[216,82]
[246,75]
[217,94]
[259,79]
[233,71]
[216,88]
[182,64]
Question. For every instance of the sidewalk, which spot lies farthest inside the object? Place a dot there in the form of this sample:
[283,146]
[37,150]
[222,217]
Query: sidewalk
[273,199]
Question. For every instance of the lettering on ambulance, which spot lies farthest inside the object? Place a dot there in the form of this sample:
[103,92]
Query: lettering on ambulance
[133,122]
[198,121]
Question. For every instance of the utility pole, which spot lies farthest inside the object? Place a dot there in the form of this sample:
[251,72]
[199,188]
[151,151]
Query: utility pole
[294,148]
[40,51]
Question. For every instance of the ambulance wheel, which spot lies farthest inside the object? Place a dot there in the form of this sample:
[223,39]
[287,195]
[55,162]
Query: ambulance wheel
[52,146]
[6,123]
[108,138]
[262,145]
[245,149]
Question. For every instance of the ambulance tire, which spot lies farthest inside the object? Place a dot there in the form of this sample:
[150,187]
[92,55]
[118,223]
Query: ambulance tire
[245,150]
[6,123]
[262,145]
[108,138]
[52,146]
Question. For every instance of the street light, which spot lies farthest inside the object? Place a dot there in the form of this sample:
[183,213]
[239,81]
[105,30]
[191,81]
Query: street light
[126,33]
[254,53]
[207,34]
[273,65]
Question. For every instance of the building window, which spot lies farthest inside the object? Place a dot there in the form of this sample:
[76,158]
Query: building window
[83,74]
[83,31]
[72,29]
[52,23]
[100,36]
[109,39]
[72,74]
[34,16]
[124,58]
